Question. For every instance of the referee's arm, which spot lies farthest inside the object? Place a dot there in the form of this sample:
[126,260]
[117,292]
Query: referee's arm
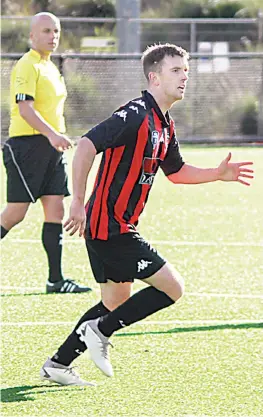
[34,119]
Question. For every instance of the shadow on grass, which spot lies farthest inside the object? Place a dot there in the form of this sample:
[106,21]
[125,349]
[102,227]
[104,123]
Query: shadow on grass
[41,293]
[28,392]
[23,295]
[196,329]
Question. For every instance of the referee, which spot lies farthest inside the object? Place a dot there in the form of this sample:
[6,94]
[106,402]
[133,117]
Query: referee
[33,154]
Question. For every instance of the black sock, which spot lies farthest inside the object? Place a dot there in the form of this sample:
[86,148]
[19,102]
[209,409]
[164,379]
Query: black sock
[73,347]
[52,242]
[3,232]
[140,305]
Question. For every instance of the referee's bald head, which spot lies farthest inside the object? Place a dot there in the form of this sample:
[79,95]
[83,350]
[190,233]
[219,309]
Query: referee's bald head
[42,17]
[45,32]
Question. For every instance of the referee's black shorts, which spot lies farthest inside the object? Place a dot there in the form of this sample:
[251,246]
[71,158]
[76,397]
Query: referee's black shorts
[123,258]
[34,169]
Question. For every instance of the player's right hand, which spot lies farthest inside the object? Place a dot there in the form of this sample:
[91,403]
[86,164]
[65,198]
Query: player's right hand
[60,142]
[77,219]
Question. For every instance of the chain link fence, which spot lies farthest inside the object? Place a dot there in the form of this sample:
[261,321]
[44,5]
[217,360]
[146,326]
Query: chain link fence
[218,107]
[134,34]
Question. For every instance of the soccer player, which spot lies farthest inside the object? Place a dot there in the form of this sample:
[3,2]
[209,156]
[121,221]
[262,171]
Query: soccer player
[135,141]
[33,155]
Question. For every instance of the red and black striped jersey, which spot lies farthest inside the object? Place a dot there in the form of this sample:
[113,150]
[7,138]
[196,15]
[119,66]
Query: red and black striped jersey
[135,141]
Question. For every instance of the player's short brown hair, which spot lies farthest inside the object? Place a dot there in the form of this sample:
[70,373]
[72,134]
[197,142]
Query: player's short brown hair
[153,56]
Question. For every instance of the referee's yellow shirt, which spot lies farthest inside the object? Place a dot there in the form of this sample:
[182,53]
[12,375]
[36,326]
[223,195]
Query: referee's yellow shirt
[40,79]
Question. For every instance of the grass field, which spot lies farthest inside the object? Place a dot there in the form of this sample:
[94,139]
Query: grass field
[202,357]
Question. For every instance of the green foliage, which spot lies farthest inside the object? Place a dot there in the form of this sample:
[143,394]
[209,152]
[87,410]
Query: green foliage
[91,8]
[224,9]
[15,35]
[249,116]
[38,6]
[85,90]
[187,8]
[202,9]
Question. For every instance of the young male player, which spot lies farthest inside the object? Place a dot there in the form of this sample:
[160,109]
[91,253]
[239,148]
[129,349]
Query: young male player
[137,140]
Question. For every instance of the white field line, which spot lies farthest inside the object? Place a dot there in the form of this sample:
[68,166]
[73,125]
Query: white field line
[160,242]
[24,290]
[142,323]
[223,295]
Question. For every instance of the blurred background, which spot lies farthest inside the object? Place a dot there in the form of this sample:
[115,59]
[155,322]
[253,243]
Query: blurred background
[100,50]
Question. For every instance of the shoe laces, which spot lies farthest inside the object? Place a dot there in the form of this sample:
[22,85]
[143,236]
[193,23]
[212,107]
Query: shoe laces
[104,348]
[72,371]
[71,281]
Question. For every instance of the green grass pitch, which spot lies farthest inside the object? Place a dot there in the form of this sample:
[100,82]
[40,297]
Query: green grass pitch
[200,357]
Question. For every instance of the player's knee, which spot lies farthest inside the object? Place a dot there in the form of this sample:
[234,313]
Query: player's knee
[176,291]
[16,218]
[60,213]
[54,215]
[180,288]
[114,302]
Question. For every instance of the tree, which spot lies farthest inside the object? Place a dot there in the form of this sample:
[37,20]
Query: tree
[38,6]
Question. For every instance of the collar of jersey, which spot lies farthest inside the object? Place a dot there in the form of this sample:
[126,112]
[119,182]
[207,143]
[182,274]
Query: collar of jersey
[150,101]
[36,54]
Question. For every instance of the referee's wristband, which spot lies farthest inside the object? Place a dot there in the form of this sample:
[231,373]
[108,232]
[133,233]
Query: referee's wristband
[23,97]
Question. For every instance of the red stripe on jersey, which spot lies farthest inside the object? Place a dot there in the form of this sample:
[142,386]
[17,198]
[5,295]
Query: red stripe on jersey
[97,203]
[169,132]
[103,225]
[136,166]
[140,205]
[145,188]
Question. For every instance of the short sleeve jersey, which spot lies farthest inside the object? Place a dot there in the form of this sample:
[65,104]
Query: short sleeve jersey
[34,78]
[135,141]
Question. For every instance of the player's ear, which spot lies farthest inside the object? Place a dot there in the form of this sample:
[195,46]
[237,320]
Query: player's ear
[153,78]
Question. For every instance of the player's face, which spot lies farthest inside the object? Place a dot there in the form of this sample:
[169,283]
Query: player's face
[45,35]
[172,78]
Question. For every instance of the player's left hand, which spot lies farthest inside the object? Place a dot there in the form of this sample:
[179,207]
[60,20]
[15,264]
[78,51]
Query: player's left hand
[228,171]
[77,219]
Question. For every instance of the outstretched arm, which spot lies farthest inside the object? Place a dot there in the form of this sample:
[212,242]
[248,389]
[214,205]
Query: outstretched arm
[226,171]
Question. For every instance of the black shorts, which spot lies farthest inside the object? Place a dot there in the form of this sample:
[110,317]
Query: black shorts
[123,258]
[34,168]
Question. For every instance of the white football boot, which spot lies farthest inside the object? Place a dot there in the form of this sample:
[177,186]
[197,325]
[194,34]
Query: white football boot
[97,344]
[63,375]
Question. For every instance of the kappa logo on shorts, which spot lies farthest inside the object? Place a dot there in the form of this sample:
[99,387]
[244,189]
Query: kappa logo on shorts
[142,264]
[60,242]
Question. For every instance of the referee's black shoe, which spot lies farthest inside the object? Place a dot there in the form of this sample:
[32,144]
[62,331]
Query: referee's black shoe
[65,286]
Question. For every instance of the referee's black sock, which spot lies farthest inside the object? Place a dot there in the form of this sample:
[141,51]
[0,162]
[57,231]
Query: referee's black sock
[73,347]
[140,305]
[3,232]
[52,242]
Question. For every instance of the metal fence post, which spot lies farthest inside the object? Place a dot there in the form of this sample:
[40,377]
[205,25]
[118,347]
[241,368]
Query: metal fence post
[192,37]
[260,108]
[260,26]
[61,64]
[128,31]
